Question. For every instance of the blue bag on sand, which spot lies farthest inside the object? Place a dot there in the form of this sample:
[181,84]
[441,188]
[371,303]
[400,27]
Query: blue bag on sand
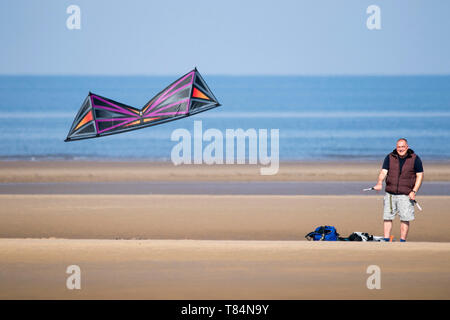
[323,233]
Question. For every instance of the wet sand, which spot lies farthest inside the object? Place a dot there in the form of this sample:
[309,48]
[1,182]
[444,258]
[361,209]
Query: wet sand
[437,188]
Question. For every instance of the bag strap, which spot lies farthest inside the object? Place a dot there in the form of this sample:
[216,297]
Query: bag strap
[310,235]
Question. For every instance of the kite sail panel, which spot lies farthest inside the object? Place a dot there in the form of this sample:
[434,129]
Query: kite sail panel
[100,116]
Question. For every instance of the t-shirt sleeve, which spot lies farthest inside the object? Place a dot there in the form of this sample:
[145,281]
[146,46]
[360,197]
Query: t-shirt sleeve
[418,167]
[386,163]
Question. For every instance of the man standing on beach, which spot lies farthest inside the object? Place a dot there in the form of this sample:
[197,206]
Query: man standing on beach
[404,172]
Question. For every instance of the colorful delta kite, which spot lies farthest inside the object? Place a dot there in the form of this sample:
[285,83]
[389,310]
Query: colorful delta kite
[100,116]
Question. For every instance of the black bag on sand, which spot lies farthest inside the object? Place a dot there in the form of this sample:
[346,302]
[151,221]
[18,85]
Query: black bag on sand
[358,236]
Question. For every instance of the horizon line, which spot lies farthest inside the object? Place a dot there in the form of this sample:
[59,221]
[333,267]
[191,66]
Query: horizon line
[227,74]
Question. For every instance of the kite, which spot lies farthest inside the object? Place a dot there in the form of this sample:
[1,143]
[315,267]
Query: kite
[100,116]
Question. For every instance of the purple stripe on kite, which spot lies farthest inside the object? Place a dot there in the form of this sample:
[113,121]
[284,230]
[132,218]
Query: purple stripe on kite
[188,105]
[93,113]
[114,110]
[162,97]
[171,113]
[115,106]
[171,94]
[117,125]
[181,80]
[166,107]
[117,119]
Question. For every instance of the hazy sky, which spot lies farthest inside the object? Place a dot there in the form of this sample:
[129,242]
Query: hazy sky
[225,37]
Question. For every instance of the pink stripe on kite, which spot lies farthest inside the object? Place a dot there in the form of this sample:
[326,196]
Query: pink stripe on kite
[117,125]
[171,94]
[166,107]
[92,106]
[117,119]
[114,110]
[171,113]
[123,110]
[163,96]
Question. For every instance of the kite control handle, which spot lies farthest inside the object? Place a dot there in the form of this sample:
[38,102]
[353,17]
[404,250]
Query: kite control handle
[417,204]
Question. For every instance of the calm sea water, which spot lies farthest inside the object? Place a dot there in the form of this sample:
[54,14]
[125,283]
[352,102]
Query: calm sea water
[319,118]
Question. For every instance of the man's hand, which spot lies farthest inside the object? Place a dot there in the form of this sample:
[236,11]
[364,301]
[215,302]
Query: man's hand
[419,178]
[378,186]
[381,176]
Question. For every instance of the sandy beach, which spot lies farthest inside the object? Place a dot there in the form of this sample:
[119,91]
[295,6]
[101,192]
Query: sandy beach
[206,269]
[207,246]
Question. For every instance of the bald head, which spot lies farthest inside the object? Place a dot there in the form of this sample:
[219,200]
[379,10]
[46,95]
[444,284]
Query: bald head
[402,147]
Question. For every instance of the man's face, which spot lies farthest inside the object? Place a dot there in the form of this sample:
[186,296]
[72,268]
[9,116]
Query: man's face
[402,148]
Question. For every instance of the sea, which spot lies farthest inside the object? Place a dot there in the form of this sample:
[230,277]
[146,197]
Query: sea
[319,118]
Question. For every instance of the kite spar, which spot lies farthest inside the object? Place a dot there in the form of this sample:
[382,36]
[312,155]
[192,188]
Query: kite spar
[100,116]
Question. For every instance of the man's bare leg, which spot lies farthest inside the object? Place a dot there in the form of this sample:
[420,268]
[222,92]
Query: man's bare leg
[387,228]
[404,228]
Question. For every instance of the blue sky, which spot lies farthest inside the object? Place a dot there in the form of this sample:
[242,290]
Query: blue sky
[314,37]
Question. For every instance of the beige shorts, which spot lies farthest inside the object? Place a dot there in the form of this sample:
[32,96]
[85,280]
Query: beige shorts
[398,204]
